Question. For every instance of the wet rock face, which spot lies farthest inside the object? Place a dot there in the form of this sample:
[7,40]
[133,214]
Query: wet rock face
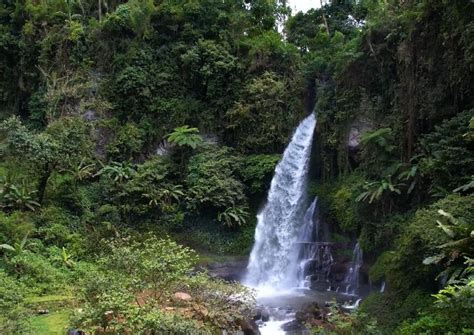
[339,271]
[293,326]
[231,271]
[354,136]
[249,327]
[358,127]
[261,314]
[310,314]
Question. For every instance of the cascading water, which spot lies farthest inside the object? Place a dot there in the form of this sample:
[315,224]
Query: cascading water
[382,287]
[352,278]
[314,259]
[280,221]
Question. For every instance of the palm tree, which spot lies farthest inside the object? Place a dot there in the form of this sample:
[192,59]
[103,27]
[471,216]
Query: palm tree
[466,187]
[185,136]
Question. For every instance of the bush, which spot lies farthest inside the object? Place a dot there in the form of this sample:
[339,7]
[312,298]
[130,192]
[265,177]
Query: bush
[36,272]
[212,182]
[420,238]
[343,204]
[56,226]
[390,309]
[448,149]
[257,171]
[127,143]
[15,226]
[13,316]
[136,280]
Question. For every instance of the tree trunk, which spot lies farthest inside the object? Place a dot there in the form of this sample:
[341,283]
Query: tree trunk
[411,106]
[43,182]
[324,17]
[100,10]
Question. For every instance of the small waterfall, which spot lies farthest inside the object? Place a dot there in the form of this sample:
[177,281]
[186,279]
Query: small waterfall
[279,223]
[352,278]
[314,258]
[382,287]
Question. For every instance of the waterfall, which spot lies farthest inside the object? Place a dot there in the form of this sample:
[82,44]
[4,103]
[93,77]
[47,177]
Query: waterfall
[382,287]
[280,221]
[314,259]
[352,278]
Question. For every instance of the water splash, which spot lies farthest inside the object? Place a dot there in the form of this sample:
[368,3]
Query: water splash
[280,221]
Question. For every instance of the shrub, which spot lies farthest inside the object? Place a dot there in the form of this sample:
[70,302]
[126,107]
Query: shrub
[127,142]
[15,225]
[257,171]
[13,316]
[137,278]
[36,272]
[211,180]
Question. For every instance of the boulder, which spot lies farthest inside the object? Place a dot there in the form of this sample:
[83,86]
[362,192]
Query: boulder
[230,271]
[181,296]
[293,326]
[261,314]
[265,316]
[257,314]
[75,332]
[249,327]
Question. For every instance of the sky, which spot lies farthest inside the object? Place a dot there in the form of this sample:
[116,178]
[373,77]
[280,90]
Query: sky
[303,5]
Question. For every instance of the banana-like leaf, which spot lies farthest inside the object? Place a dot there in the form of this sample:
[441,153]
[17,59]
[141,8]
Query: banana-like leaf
[448,231]
[7,246]
[448,216]
[433,259]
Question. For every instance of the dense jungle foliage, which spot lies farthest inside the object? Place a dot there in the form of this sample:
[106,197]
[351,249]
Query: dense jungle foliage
[135,132]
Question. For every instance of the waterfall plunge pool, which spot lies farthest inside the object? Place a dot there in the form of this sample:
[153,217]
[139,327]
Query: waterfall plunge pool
[283,305]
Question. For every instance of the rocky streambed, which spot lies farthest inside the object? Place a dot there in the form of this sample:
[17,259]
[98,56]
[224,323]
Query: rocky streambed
[286,312]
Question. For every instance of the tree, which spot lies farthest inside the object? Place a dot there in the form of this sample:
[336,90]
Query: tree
[185,136]
[264,105]
[64,143]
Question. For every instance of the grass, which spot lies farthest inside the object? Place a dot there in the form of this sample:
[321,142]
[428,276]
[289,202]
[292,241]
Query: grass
[55,323]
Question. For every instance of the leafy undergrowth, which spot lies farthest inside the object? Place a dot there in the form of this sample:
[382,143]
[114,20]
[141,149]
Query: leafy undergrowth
[49,298]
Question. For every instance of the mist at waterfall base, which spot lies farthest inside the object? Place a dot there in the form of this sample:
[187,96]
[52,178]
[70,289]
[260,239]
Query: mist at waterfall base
[292,248]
